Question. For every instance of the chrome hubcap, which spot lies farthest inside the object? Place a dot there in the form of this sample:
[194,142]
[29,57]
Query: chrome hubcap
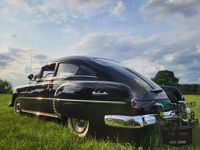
[79,125]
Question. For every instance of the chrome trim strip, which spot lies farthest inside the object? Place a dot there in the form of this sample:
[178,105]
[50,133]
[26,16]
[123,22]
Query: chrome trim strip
[37,98]
[37,113]
[90,101]
[76,100]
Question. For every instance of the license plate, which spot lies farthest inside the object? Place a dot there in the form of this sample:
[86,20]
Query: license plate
[177,137]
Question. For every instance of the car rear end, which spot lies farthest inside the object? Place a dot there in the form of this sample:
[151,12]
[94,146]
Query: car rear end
[150,105]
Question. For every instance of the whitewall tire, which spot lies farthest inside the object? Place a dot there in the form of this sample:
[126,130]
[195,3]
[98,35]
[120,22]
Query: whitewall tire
[79,127]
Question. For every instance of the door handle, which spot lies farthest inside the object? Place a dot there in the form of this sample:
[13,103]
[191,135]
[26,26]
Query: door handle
[99,93]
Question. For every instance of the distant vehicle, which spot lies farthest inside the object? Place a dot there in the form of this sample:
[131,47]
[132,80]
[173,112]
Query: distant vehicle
[173,93]
[88,90]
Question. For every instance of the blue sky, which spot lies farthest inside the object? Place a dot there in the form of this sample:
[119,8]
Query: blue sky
[147,35]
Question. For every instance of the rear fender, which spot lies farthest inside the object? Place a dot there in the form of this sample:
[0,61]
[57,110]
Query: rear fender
[86,99]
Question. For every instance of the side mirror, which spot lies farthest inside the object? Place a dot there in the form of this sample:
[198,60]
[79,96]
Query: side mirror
[31,77]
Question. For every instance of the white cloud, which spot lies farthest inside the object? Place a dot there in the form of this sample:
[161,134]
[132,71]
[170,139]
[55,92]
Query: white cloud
[118,9]
[176,48]
[57,11]
[2,9]
[15,65]
[68,30]
[144,65]
[13,35]
[165,8]
[169,57]
[112,45]
[147,54]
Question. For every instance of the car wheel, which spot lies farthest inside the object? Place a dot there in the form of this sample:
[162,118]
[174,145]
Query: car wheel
[17,106]
[79,127]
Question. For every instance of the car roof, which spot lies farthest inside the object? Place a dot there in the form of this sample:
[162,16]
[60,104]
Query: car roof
[83,58]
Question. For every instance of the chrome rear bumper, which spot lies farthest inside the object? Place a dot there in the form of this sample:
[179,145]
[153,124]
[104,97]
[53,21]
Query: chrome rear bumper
[141,121]
[129,121]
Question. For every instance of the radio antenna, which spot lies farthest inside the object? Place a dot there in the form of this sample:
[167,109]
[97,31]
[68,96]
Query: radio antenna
[31,58]
[31,62]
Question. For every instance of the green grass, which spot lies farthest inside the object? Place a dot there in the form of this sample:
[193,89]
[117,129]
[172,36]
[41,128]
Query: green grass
[191,98]
[25,132]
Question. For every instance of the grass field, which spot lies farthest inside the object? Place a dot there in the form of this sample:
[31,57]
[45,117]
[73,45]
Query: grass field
[25,132]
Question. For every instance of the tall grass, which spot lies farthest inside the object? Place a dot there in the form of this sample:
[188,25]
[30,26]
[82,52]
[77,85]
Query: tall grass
[25,132]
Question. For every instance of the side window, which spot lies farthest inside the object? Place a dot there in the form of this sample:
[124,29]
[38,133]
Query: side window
[83,70]
[66,70]
[48,71]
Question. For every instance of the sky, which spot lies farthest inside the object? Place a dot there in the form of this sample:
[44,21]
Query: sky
[146,35]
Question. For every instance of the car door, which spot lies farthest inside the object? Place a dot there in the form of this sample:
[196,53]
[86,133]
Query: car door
[38,93]
[45,103]
[48,88]
[75,90]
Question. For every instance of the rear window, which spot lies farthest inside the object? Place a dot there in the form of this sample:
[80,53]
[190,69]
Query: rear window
[144,79]
[142,87]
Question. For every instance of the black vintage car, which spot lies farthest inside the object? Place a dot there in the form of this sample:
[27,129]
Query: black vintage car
[87,90]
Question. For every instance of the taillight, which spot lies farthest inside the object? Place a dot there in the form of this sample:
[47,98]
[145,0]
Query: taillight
[134,103]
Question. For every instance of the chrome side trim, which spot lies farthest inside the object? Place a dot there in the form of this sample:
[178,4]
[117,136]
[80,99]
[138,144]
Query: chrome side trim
[76,100]
[91,101]
[36,98]
[37,113]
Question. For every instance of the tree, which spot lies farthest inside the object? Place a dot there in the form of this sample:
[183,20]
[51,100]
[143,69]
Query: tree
[166,77]
[5,86]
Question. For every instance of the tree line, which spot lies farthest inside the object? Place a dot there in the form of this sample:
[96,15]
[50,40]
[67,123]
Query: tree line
[190,89]
[166,77]
[5,87]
